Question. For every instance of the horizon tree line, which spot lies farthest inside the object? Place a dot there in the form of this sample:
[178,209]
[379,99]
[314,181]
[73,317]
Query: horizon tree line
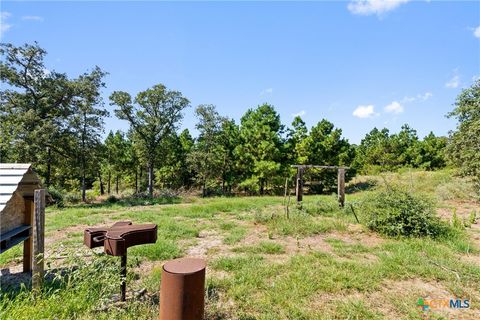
[56,123]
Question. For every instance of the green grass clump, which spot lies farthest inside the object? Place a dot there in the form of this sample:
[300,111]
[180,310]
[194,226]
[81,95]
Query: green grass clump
[235,235]
[76,289]
[300,224]
[396,212]
[265,247]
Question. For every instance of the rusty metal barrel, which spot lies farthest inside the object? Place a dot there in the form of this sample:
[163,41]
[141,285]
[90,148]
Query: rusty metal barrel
[182,291]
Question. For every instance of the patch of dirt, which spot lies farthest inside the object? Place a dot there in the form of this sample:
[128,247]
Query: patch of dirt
[255,235]
[293,245]
[146,266]
[470,258]
[207,240]
[61,234]
[463,209]
[394,298]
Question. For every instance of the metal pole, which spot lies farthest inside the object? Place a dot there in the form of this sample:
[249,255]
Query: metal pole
[123,272]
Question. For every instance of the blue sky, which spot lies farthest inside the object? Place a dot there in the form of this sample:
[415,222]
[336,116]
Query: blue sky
[357,64]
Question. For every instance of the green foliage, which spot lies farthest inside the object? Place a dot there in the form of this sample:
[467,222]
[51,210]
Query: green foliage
[55,122]
[456,222]
[473,217]
[260,148]
[72,197]
[153,115]
[430,153]
[77,289]
[206,158]
[48,119]
[325,146]
[57,196]
[396,212]
[381,151]
[111,199]
[463,147]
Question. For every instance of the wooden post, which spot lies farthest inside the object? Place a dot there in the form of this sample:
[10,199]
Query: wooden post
[38,240]
[27,244]
[299,185]
[341,187]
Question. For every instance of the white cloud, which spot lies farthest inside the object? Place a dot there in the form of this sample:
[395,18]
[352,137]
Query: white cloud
[266,91]
[426,96]
[409,99]
[364,111]
[299,114]
[378,7]
[419,97]
[394,107]
[33,18]
[454,82]
[4,27]
[476,32]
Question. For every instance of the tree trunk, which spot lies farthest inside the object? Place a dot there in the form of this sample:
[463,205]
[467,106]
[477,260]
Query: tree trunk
[102,189]
[262,187]
[116,184]
[109,179]
[84,187]
[150,178]
[204,188]
[84,166]
[136,180]
[49,167]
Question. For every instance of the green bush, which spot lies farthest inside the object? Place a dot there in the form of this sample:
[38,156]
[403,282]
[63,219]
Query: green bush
[396,212]
[73,198]
[112,199]
[57,196]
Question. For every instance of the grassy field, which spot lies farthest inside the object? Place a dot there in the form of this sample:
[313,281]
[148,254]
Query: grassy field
[318,263]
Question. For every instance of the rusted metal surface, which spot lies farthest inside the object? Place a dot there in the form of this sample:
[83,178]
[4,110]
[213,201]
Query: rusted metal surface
[120,236]
[117,239]
[182,292]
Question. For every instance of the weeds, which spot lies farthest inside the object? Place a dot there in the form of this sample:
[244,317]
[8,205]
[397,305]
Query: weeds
[396,212]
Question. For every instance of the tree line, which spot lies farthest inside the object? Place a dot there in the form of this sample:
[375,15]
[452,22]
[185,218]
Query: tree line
[56,123]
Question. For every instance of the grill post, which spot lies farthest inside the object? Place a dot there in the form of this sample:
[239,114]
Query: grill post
[123,273]
[182,290]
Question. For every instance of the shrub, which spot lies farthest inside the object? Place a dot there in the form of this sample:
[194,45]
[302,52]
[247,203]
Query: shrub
[112,199]
[91,195]
[72,198]
[397,212]
[57,196]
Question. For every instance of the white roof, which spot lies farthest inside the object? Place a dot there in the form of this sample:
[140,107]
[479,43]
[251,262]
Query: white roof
[17,176]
